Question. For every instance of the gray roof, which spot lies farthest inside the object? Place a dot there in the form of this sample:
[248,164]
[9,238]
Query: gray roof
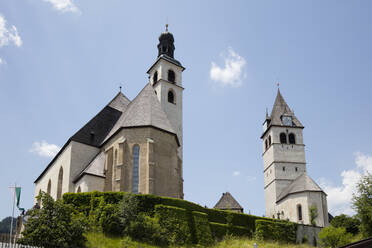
[144,110]
[227,201]
[96,167]
[302,183]
[280,108]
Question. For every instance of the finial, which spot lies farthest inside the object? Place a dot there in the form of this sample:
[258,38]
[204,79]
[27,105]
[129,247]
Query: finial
[120,88]
[166,27]
[278,84]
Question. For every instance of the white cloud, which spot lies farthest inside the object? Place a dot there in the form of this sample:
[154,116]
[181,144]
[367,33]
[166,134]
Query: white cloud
[44,149]
[233,71]
[339,197]
[8,34]
[236,173]
[64,5]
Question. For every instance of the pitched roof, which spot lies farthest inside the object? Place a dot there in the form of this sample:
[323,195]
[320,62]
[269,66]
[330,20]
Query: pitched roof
[95,167]
[281,107]
[302,183]
[227,201]
[144,110]
[96,130]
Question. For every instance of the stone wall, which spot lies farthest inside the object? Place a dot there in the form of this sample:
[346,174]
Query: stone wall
[311,233]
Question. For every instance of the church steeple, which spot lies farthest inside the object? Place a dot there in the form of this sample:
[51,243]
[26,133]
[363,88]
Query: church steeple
[166,44]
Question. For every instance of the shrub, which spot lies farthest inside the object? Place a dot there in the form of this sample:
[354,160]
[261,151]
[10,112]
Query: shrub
[351,224]
[219,231]
[202,229]
[175,223]
[334,237]
[54,225]
[109,220]
[276,230]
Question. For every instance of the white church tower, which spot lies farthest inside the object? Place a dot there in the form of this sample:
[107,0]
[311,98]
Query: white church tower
[289,191]
[166,77]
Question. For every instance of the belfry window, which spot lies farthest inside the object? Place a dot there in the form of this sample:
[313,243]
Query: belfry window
[269,140]
[299,212]
[59,185]
[135,178]
[292,138]
[171,76]
[171,97]
[283,138]
[266,145]
[155,78]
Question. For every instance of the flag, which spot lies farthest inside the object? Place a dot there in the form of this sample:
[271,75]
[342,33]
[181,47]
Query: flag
[18,197]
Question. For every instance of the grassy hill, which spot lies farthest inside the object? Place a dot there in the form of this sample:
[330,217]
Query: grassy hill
[98,240]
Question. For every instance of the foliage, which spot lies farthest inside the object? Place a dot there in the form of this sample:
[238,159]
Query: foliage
[351,224]
[313,212]
[202,229]
[54,225]
[5,225]
[362,202]
[277,231]
[334,237]
[175,222]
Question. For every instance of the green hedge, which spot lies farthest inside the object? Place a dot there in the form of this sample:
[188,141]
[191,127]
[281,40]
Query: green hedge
[218,230]
[176,223]
[276,230]
[202,229]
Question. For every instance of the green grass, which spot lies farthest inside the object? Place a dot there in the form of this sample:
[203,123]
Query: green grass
[99,240]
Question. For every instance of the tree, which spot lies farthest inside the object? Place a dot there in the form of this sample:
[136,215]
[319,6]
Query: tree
[334,237]
[5,225]
[54,225]
[351,224]
[362,203]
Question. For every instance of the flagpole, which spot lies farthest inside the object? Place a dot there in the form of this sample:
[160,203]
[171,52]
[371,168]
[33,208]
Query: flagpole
[11,221]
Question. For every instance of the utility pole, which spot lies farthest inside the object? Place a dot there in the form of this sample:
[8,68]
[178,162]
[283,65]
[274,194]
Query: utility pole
[11,221]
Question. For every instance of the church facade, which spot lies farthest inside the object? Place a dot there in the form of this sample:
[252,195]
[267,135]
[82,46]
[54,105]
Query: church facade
[290,193]
[133,146]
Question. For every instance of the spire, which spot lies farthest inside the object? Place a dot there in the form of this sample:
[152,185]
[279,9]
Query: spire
[166,43]
[281,108]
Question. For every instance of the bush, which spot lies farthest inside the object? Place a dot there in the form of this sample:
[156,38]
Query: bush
[351,224]
[54,225]
[202,229]
[334,237]
[175,223]
[219,231]
[275,230]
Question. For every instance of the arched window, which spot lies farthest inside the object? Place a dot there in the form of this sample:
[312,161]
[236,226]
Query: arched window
[59,185]
[283,138]
[79,190]
[49,189]
[269,140]
[171,76]
[135,178]
[292,138]
[283,168]
[155,77]
[171,97]
[266,145]
[299,212]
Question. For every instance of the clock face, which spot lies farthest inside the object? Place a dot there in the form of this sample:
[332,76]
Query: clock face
[287,120]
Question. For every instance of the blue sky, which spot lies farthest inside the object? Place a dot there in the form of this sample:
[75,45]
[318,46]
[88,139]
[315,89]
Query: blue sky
[62,61]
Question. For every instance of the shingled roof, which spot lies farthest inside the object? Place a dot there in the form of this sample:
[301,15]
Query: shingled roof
[228,202]
[281,108]
[95,167]
[302,183]
[144,110]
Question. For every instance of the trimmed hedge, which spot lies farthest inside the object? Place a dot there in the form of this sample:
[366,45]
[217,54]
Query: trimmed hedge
[202,229]
[275,230]
[218,230]
[176,223]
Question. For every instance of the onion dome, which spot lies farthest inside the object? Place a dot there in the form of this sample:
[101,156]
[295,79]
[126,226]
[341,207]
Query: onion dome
[166,44]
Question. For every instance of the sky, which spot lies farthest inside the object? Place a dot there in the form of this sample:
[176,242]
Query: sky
[62,61]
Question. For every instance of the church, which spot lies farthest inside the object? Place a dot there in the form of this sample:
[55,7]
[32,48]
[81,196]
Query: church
[137,146]
[133,146]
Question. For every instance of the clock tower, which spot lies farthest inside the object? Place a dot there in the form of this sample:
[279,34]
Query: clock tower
[283,153]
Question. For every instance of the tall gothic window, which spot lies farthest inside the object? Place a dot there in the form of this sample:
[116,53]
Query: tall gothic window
[299,212]
[59,185]
[171,97]
[292,138]
[49,187]
[135,178]
[155,77]
[171,76]
[266,145]
[283,138]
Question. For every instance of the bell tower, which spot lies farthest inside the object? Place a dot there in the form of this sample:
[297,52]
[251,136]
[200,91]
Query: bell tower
[283,152]
[165,76]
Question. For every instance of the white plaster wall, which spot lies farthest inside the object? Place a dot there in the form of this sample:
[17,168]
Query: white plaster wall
[289,207]
[319,200]
[64,161]
[81,155]
[88,183]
